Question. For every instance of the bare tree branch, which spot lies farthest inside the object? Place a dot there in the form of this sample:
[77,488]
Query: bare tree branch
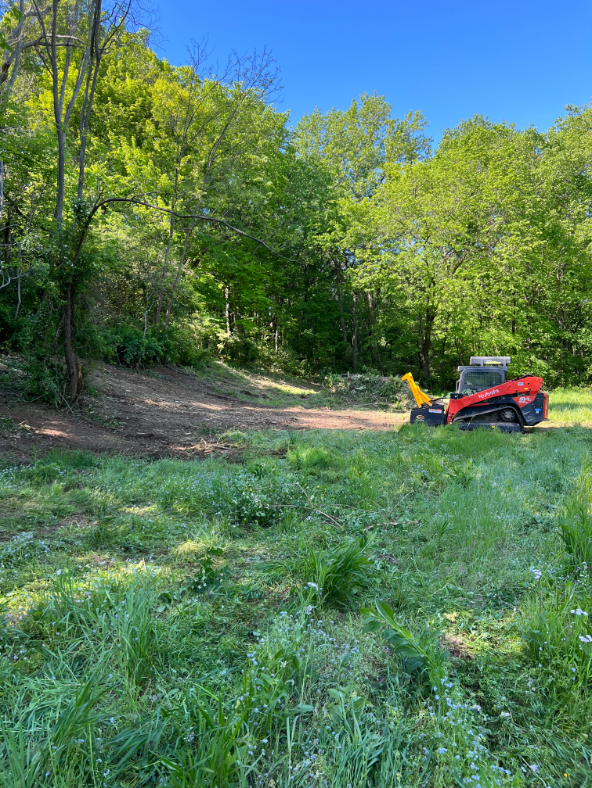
[151,206]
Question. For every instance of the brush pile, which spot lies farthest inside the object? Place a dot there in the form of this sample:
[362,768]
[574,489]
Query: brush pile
[369,391]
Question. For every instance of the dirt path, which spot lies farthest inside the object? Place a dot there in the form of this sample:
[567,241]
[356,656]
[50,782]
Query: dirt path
[165,413]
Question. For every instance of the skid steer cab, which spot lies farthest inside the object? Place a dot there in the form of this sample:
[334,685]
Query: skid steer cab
[484,398]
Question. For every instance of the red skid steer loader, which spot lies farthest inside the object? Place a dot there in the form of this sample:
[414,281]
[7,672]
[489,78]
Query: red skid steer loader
[484,398]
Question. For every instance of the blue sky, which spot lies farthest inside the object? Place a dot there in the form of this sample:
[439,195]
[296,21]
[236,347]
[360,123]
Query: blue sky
[519,61]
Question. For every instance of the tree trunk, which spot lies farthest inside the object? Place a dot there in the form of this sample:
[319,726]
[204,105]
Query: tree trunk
[371,306]
[85,118]
[373,345]
[227,309]
[355,331]
[426,346]
[72,364]
[341,316]
[2,175]
[18,283]
[89,93]
[59,210]
[179,269]
[165,267]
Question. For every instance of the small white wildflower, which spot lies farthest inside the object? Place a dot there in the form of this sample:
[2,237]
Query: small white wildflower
[579,612]
[534,767]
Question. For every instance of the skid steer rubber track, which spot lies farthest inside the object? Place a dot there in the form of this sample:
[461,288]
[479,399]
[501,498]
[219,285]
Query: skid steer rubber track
[498,425]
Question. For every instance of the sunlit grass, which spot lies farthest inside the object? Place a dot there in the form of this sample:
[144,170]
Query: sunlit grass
[199,623]
[570,406]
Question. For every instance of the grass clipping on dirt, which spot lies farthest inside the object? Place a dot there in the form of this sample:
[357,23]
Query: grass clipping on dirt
[394,609]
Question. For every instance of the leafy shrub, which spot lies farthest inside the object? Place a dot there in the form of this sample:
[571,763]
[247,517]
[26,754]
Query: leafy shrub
[130,346]
[133,348]
[239,349]
[46,379]
[336,576]
[257,499]
[248,351]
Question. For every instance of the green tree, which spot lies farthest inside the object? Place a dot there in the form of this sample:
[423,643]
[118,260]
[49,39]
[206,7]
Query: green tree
[444,229]
[354,147]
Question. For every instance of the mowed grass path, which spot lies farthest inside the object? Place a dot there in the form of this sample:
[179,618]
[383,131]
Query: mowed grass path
[201,623]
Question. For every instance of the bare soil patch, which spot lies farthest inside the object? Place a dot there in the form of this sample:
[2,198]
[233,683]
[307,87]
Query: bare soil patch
[165,412]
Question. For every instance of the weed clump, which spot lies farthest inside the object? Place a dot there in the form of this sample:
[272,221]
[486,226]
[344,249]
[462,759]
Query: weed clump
[337,576]
[420,656]
[308,457]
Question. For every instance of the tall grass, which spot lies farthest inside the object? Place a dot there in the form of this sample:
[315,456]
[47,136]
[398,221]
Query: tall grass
[41,741]
[337,576]
[575,522]
[199,623]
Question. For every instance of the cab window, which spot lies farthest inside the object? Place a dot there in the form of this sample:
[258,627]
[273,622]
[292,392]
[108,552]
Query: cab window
[480,379]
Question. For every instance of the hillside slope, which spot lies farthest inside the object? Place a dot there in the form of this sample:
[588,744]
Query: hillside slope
[167,412]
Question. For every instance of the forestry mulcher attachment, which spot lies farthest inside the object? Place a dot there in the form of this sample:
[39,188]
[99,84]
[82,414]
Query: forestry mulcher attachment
[484,398]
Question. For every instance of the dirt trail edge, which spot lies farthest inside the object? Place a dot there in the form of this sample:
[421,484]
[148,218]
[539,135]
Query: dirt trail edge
[169,413]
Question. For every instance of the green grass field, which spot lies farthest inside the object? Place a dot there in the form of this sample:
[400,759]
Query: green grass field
[355,609]
[570,405]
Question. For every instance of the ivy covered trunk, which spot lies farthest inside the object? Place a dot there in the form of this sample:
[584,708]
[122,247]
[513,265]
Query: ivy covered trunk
[73,365]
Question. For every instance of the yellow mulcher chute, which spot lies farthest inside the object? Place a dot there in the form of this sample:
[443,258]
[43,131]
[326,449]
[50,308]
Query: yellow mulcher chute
[418,395]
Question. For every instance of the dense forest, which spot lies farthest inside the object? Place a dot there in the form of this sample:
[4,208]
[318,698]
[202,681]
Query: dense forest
[154,213]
